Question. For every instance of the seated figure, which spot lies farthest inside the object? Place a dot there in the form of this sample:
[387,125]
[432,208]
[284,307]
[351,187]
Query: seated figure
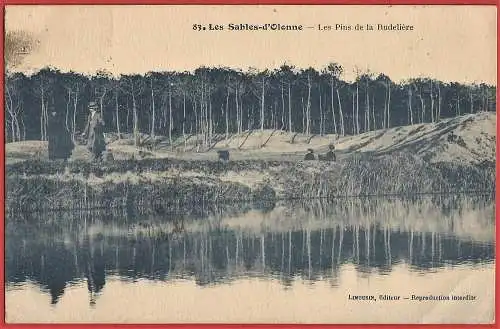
[223,155]
[309,155]
[330,155]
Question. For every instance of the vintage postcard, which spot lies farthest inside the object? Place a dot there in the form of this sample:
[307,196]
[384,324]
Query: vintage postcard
[250,164]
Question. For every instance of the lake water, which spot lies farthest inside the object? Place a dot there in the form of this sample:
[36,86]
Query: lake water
[293,262]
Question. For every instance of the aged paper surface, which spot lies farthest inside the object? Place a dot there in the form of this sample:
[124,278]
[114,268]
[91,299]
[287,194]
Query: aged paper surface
[129,39]
[420,80]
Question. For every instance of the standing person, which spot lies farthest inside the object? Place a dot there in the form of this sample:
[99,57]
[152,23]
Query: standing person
[95,130]
[60,143]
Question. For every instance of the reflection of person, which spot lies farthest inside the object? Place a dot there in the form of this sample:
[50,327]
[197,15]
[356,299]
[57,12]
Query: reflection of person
[309,155]
[96,278]
[95,270]
[60,143]
[95,130]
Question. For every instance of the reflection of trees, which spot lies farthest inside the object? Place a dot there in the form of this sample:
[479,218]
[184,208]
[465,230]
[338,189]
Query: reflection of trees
[54,264]
[220,256]
[54,254]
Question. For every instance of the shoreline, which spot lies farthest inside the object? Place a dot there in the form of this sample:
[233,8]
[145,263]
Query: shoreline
[38,184]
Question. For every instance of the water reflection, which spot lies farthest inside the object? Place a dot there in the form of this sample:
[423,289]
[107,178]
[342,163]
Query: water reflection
[309,241]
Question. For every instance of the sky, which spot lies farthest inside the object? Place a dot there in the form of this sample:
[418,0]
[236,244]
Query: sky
[449,43]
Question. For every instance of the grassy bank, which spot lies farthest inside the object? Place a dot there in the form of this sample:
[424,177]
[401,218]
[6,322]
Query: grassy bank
[163,183]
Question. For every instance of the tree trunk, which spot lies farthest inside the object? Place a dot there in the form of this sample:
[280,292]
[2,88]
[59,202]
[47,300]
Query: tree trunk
[202,114]
[303,115]
[101,105]
[241,113]
[75,107]
[196,125]
[24,129]
[357,107]
[353,113]
[210,122]
[17,127]
[432,103]
[46,119]
[373,112]
[385,106]
[422,106]
[42,100]
[127,121]
[367,127]
[153,114]
[117,115]
[170,120]
[274,118]
[8,129]
[439,104]
[10,109]
[66,117]
[342,127]
[389,108]
[184,118]
[136,121]
[410,112]
[262,105]
[227,114]
[238,114]
[471,100]
[289,109]
[320,114]
[308,109]
[333,108]
[282,107]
